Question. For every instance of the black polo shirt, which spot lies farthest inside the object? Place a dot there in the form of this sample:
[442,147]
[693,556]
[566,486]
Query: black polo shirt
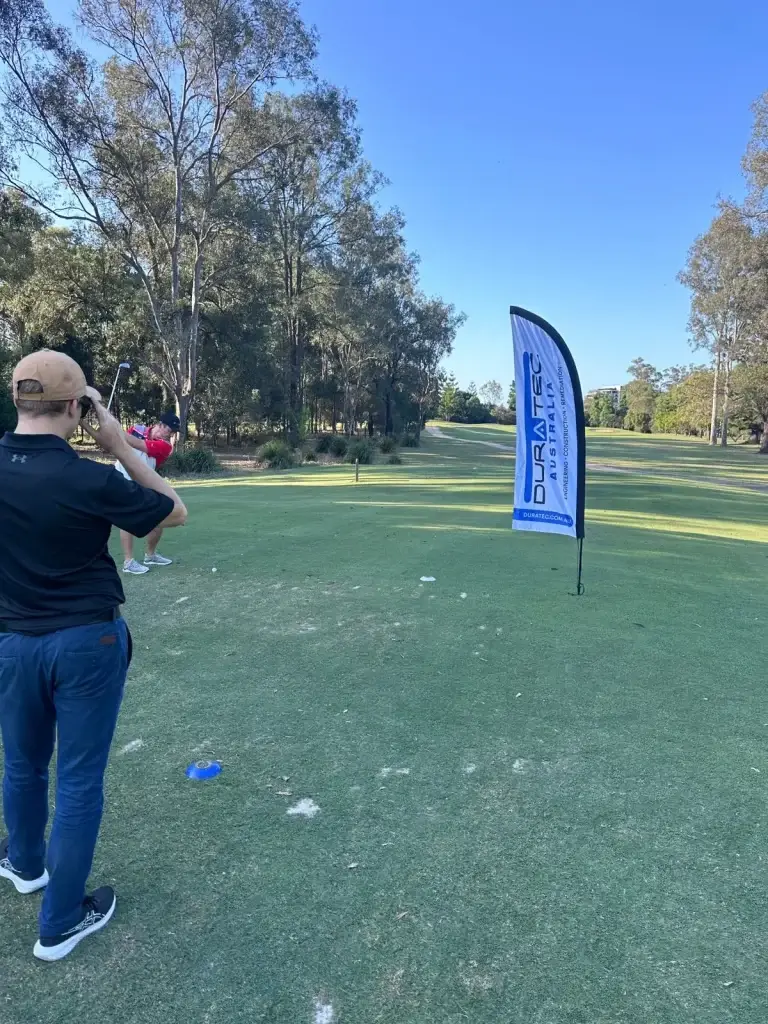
[56,513]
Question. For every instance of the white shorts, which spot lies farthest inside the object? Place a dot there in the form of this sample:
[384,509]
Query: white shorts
[143,456]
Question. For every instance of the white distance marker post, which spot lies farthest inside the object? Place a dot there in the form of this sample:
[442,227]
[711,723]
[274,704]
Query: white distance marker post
[122,366]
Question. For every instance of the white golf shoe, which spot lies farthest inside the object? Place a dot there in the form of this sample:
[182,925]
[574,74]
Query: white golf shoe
[135,568]
[157,560]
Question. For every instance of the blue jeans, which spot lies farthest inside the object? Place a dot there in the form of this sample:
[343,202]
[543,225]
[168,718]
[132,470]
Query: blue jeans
[67,686]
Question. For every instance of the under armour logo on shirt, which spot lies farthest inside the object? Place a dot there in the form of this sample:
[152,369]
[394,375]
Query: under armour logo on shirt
[19,458]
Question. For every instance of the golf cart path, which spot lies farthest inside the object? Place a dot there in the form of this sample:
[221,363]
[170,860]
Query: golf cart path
[606,467]
[596,467]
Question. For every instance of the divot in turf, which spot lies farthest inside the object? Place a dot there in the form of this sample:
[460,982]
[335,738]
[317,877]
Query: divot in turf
[305,808]
[134,745]
[323,1012]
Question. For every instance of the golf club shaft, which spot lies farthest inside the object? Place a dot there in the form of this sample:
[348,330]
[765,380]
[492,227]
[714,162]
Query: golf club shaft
[114,388]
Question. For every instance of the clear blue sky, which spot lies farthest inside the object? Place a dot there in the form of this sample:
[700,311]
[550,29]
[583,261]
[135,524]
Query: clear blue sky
[556,155]
[561,156]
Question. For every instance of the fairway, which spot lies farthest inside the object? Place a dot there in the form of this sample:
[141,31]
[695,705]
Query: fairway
[533,808]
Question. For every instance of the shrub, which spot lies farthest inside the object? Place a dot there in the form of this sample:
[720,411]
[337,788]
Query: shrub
[387,445]
[410,441]
[361,451]
[310,457]
[277,454]
[640,421]
[503,416]
[323,445]
[338,446]
[395,460]
[186,461]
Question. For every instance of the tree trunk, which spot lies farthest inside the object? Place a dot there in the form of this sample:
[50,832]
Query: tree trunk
[420,424]
[726,403]
[715,385]
[389,428]
[297,346]
[764,440]
[185,372]
[348,428]
[183,402]
[295,365]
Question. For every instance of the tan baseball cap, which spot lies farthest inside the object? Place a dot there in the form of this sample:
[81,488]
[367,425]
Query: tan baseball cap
[61,377]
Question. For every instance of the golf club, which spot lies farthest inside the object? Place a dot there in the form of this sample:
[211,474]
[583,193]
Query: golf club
[122,366]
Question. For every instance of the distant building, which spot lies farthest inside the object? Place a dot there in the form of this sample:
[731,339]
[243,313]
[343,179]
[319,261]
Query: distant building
[613,393]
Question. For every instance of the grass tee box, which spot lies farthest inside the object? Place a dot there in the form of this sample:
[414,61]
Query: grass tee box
[525,808]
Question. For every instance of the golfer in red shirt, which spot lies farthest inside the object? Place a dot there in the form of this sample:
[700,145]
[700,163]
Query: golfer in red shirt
[154,446]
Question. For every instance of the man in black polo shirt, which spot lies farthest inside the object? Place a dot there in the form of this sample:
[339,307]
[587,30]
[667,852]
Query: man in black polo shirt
[64,648]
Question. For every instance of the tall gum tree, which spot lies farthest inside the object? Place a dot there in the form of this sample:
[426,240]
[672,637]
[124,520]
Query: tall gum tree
[152,146]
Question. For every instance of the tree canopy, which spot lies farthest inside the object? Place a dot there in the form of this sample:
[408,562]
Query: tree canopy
[196,200]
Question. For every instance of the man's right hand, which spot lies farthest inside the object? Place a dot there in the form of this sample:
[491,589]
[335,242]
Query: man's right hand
[110,435]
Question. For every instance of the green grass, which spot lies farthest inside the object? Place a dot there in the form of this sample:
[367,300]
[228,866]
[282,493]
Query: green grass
[580,835]
[654,453]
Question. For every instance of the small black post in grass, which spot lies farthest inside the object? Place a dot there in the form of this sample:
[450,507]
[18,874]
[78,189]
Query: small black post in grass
[580,570]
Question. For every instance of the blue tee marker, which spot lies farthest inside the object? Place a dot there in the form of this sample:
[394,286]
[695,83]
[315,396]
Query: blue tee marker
[201,771]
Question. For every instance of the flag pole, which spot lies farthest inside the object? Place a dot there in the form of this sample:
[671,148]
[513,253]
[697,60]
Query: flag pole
[579,584]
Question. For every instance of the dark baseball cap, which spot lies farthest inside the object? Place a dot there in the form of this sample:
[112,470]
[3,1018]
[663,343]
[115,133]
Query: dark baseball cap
[170,419]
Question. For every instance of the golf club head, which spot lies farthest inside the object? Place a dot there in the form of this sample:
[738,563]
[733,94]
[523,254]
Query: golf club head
[125,366]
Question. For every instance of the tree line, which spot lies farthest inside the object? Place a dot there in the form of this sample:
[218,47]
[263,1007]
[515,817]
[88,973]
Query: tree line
[181,191]
[484,405]
[726,273]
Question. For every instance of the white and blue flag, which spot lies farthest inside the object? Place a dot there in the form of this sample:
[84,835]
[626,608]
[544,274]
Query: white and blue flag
[551,456]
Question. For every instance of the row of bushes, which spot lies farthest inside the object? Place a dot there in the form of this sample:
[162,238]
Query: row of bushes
[277,454]
[340,446]
[363,452]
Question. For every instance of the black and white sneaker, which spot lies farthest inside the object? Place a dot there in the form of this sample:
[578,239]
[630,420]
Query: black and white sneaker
[25,883]
[98,909]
